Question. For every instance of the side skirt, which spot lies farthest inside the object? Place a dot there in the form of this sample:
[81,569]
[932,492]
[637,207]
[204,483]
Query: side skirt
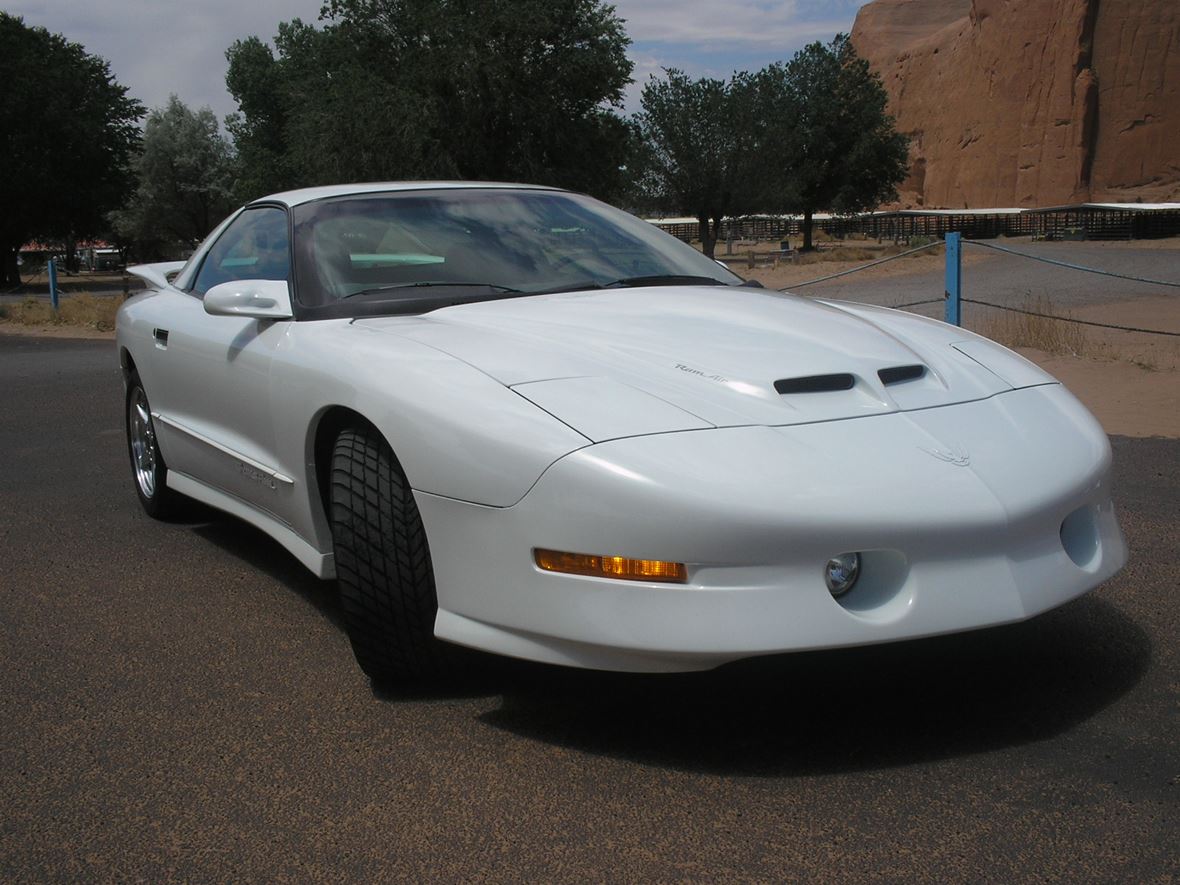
[321,564]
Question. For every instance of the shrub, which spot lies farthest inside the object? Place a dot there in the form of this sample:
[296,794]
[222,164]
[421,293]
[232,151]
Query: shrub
[1039,332]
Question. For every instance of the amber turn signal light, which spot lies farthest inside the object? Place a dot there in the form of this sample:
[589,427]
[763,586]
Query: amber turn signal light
[618,567]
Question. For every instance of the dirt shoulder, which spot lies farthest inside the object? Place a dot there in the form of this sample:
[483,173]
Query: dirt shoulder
[55,331]
[1127,399]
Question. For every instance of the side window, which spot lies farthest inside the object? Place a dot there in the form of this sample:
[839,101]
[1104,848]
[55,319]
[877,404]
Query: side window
[255,247]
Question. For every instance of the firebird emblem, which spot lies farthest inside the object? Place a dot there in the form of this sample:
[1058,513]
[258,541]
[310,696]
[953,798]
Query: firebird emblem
[955,455]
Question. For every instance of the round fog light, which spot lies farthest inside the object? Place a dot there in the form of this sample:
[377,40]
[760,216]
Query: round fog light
[841,573]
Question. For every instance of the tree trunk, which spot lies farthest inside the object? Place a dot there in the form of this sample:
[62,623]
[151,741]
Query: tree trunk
[807,247]
[9,270]
[705,231]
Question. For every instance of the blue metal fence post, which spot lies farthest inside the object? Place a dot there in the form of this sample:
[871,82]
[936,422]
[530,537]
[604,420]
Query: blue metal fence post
[954,278]
[53,283]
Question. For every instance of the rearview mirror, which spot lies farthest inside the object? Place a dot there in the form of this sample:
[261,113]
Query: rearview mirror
[261,299]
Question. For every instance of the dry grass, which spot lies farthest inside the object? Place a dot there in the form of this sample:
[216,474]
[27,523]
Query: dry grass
[842,253]
[1041,333]
[82,310]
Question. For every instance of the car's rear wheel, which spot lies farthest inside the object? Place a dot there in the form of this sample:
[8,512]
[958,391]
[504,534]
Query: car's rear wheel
[148,469]
[383,564]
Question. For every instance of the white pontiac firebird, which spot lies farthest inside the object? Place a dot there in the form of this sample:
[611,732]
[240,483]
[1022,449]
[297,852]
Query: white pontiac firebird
[516,419]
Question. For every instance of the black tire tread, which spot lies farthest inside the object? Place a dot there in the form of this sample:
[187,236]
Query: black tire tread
[383,565]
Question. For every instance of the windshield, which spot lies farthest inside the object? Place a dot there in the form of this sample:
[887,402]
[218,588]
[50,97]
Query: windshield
[417,250]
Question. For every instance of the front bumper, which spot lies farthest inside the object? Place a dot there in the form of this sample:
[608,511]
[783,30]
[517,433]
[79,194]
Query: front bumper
[966,516]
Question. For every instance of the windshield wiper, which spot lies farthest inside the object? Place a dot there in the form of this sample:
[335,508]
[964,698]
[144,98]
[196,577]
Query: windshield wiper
[634,282]
[426,284]
[662,280]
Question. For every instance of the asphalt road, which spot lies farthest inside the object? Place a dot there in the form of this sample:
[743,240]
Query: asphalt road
[180,702]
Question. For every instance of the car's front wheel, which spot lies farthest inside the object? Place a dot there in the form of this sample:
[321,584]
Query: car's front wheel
[148,469]
[383,564]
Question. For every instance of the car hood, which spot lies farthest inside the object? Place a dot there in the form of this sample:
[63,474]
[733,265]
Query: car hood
[622,362]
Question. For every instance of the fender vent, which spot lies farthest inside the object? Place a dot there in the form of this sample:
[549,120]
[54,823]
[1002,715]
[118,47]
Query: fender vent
[815,383]
[898,374]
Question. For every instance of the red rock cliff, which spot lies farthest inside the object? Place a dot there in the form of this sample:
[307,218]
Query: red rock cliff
[1019,103]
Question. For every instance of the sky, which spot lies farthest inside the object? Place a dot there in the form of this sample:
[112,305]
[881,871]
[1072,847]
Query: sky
[160,47]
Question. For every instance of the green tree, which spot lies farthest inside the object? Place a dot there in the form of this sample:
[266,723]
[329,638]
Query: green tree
[826,139]
[67,135]
[480,89]
[185,174]
[698,150]
[258,129]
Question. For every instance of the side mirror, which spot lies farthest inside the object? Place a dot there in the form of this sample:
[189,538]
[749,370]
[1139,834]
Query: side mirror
[261,299]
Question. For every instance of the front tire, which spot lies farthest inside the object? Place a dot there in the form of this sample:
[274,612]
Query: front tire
[383,565]
[148,470]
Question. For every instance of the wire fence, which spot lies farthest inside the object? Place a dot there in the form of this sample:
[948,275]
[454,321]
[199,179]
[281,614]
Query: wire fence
[30,276]
[1051,261]
[28,279]
[1053,316]
[1081,267]
[935,245]
[917,303]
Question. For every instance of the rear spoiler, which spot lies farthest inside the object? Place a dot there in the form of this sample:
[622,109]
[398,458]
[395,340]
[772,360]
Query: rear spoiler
[157,275]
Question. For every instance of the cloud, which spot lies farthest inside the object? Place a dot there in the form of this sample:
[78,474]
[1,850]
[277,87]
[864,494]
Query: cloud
[710,39]
[712,26]
[168,46]
[646,67]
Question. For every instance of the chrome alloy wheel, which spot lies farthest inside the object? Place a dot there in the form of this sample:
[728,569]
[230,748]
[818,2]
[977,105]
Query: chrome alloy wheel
[143,442]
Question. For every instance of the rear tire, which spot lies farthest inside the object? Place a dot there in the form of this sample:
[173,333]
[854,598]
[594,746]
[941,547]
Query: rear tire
[383,565]
[149,473]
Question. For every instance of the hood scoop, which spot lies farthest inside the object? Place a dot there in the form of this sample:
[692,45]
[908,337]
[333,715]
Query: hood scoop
[898,374]
[846,381]
[815,383]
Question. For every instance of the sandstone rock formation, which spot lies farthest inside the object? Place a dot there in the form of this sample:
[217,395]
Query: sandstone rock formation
[1031,102]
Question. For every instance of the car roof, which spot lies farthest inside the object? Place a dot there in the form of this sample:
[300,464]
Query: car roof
[308,194]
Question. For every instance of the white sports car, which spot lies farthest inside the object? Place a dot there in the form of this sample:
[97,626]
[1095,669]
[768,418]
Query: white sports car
[516,419]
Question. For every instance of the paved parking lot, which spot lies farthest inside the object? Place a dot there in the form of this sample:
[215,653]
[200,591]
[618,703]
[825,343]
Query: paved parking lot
[180,702]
